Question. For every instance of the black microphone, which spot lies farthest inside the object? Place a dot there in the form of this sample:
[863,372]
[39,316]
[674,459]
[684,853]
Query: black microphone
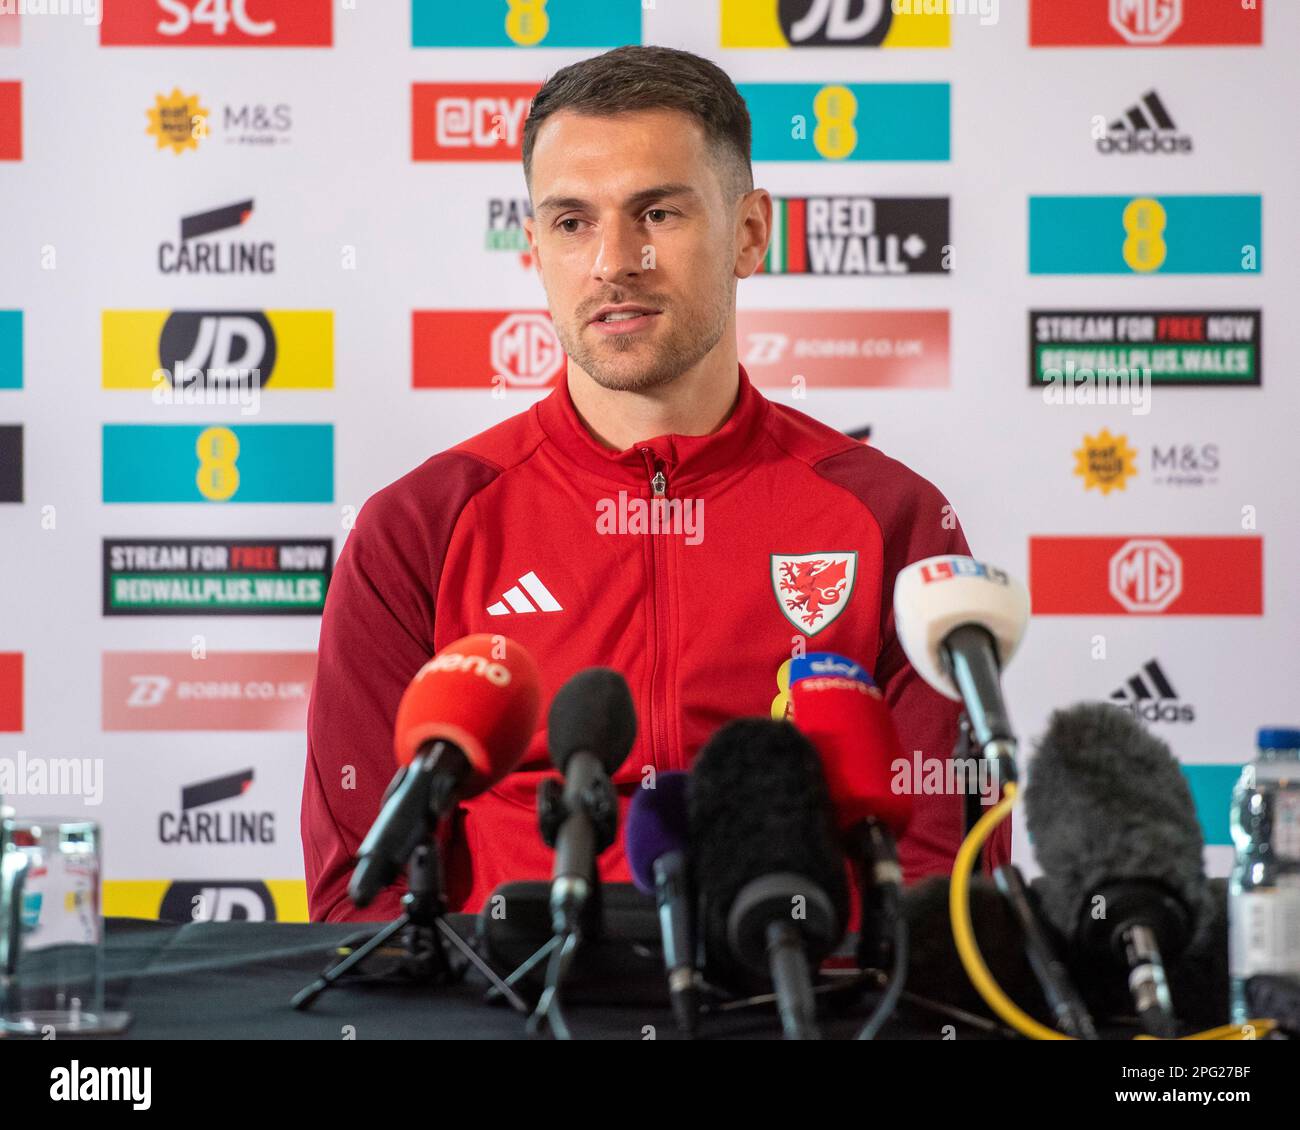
[657,844]
[406,820]
[590,730]
[1114,828]
[771,877]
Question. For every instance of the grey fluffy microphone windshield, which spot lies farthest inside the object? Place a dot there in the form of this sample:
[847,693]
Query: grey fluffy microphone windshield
[1114,828]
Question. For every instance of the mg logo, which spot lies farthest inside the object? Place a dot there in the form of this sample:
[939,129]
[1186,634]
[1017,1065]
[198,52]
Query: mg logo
[1146,576]
[1146,21]
[526,352]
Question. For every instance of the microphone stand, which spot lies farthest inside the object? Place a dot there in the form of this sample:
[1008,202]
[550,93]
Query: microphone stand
[966,761]
[600,804]
[427,937]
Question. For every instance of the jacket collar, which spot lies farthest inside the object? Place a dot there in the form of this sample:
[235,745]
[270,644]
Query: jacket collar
[685,459]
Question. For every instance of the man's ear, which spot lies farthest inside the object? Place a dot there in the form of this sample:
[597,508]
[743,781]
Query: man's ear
[753,230]
[530,231]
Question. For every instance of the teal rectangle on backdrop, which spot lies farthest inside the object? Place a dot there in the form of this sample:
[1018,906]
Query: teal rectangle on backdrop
[513,23]
[879,121]
[243,463]
[11,349]
[1176,235]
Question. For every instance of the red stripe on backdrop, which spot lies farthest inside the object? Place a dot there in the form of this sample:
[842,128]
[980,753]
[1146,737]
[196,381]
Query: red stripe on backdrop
[1086,23]
[11,691]
[265,23]
[1220,576]
[796,236]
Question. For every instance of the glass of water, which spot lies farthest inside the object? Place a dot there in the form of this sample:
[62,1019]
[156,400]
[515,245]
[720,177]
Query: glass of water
[51,929]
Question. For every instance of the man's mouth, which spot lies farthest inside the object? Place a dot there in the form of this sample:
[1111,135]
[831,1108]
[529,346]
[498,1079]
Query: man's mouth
[623,319]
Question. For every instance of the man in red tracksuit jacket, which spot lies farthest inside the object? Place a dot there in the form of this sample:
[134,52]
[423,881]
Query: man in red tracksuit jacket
[782,533]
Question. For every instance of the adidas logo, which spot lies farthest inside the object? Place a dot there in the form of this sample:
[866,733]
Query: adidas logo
[1150,696]
[1146,127]
[515,599]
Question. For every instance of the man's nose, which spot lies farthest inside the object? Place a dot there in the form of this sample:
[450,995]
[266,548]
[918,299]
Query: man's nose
[619,252]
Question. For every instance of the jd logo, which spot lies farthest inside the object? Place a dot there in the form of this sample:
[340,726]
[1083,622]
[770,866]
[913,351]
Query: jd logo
[211,348]
[822,23]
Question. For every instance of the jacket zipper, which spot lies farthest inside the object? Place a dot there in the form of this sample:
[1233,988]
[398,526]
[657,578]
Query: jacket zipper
[659,614]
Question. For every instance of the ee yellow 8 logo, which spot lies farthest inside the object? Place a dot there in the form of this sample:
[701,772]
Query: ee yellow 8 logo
[217,477]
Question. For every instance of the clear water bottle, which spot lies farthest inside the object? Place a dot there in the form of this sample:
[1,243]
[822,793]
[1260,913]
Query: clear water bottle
[1264,892]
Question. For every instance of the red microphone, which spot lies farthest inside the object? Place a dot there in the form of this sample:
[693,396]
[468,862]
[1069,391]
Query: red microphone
[840,709]
[836,704]
[462,724]
[481,694]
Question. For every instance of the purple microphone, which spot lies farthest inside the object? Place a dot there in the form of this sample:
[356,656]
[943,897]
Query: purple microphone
[657,845]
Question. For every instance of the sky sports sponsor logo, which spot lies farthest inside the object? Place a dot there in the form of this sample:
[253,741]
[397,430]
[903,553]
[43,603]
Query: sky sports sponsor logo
[217,23]
[11,121]
[1147,576]
[236,463]
[195,822]
[526,23]
[1145,23]
[11,349]
[858,235]
[207,351]
[1200,347]
[469,121]
[216,576]
[841,23]
[11,462]
[1145,235]
[238,690]
[11,692]
[880,121]
[844,348]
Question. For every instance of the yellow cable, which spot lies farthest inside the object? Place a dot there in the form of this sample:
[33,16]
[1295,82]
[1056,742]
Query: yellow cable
[963,933]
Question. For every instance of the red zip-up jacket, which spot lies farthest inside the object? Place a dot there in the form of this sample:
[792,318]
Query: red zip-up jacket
[804,530]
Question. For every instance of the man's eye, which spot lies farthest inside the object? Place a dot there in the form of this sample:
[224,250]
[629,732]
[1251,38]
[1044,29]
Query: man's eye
[567,230]
[657,215]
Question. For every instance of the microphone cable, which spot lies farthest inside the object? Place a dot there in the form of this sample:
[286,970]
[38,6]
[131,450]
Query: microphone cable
[893,987]
[963,933]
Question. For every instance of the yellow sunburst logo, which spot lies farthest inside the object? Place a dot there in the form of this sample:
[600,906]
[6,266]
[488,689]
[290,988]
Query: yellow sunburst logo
[1105,462]
[178,120]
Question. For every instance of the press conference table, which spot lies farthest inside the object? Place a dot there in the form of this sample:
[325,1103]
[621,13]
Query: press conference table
[234,980]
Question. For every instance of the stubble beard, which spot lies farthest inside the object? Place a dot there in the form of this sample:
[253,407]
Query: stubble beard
[612,363]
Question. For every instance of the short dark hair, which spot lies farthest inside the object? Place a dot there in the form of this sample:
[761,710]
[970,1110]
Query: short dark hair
[651,78]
